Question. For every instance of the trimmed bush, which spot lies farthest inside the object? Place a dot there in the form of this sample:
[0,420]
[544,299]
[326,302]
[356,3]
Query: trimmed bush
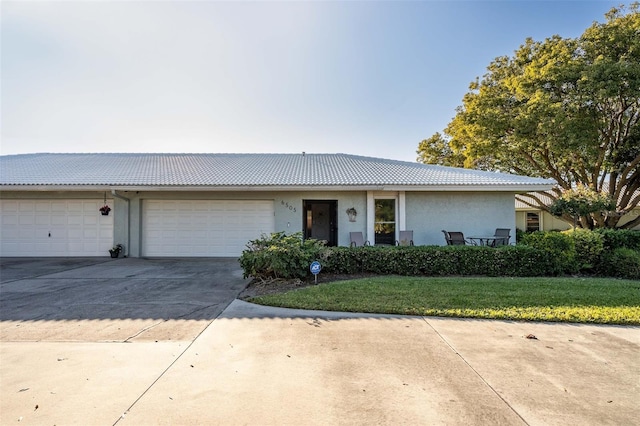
[282,256]
[560,246]
[279,256]
[438,261]
[588,247]
[621,263]
[620,238]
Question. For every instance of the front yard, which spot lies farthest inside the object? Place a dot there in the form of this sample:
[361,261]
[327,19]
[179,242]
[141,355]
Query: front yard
[578,300]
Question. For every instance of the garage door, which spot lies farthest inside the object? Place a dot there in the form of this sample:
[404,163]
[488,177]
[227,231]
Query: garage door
[203,228]
[54,228]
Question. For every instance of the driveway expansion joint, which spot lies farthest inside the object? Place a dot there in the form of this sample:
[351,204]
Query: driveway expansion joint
[125,412]
[493,390]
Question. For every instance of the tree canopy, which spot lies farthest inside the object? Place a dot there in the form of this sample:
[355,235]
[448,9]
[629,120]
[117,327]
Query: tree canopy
[581,202]
[562,108]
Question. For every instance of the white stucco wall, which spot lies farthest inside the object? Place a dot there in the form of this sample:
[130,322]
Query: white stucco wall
[289,215]
[426,213]
[473,213]
[292,221]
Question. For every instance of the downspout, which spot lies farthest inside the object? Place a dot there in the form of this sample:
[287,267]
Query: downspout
[115,194]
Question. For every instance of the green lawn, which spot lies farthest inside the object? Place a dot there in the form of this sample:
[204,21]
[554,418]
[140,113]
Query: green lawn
[582,300]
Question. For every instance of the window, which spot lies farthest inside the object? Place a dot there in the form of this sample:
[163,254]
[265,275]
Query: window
[385,221]
[533,221]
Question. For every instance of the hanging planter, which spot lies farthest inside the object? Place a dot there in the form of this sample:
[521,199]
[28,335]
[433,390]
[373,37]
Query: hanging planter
[105,209]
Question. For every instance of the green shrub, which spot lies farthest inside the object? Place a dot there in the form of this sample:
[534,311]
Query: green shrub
[619,238]
[341,260]
[588,247]
[621,262]
[438,261]
[279,256]
[523,261]
[560,246]
[287,256]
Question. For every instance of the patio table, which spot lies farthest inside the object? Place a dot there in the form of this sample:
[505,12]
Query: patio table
[489,240]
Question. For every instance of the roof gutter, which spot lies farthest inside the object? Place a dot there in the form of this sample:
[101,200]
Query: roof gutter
[515,187]
[48,188]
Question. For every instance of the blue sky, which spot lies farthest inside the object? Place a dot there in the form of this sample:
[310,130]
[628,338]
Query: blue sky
[358,77]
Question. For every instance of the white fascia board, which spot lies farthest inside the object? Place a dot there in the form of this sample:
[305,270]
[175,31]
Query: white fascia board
[247,188]
[472,188]
[518,188]
[423,188]
[54,188]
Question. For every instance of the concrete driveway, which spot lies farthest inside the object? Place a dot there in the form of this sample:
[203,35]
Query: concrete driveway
[147,342]
[113,300]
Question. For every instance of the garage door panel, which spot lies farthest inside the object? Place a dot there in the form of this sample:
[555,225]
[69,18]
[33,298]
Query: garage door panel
[74,220]
[90,234]
[54,228]
[72,206]
[203,227]
[10,206]
[9,220]
[58,205]
[26,219]
[58,219]
[11,233]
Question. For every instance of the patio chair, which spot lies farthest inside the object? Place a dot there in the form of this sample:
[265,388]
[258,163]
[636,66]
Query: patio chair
[357,240]
[405,238]
[502,237]
[455,238]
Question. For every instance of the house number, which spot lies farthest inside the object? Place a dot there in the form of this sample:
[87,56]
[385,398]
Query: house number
[288,206]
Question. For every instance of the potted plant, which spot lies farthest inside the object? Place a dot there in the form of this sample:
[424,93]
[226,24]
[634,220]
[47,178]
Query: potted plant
[115,250]
[105,210]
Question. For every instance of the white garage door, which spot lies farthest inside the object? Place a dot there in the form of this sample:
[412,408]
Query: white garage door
[203,228]
[54,228]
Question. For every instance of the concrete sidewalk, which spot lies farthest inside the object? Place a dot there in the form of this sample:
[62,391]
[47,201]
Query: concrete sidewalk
[268,366]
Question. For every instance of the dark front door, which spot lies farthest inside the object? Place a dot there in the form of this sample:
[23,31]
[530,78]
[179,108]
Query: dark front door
[320,220]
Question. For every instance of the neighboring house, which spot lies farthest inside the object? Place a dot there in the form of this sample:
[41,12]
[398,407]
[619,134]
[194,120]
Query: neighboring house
[531,219]
[213,204]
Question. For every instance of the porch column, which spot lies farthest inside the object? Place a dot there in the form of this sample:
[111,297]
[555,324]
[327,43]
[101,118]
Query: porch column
[401,214]
[371,218]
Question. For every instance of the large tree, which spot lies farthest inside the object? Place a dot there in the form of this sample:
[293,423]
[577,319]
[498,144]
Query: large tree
[563,108]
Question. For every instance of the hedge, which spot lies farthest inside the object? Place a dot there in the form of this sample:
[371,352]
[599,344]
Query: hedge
[604,253]
[288,256]
[559,246]
[619,238]
[621,263]
[437,260]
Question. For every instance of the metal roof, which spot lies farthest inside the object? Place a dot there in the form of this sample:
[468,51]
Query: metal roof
[258,171]
[548,197]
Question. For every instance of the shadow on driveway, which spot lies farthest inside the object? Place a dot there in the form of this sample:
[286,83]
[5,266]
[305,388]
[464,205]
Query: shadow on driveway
[95,299]
[129,288]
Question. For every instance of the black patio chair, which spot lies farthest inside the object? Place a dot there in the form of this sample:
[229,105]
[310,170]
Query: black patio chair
[455,238]
[502,237]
